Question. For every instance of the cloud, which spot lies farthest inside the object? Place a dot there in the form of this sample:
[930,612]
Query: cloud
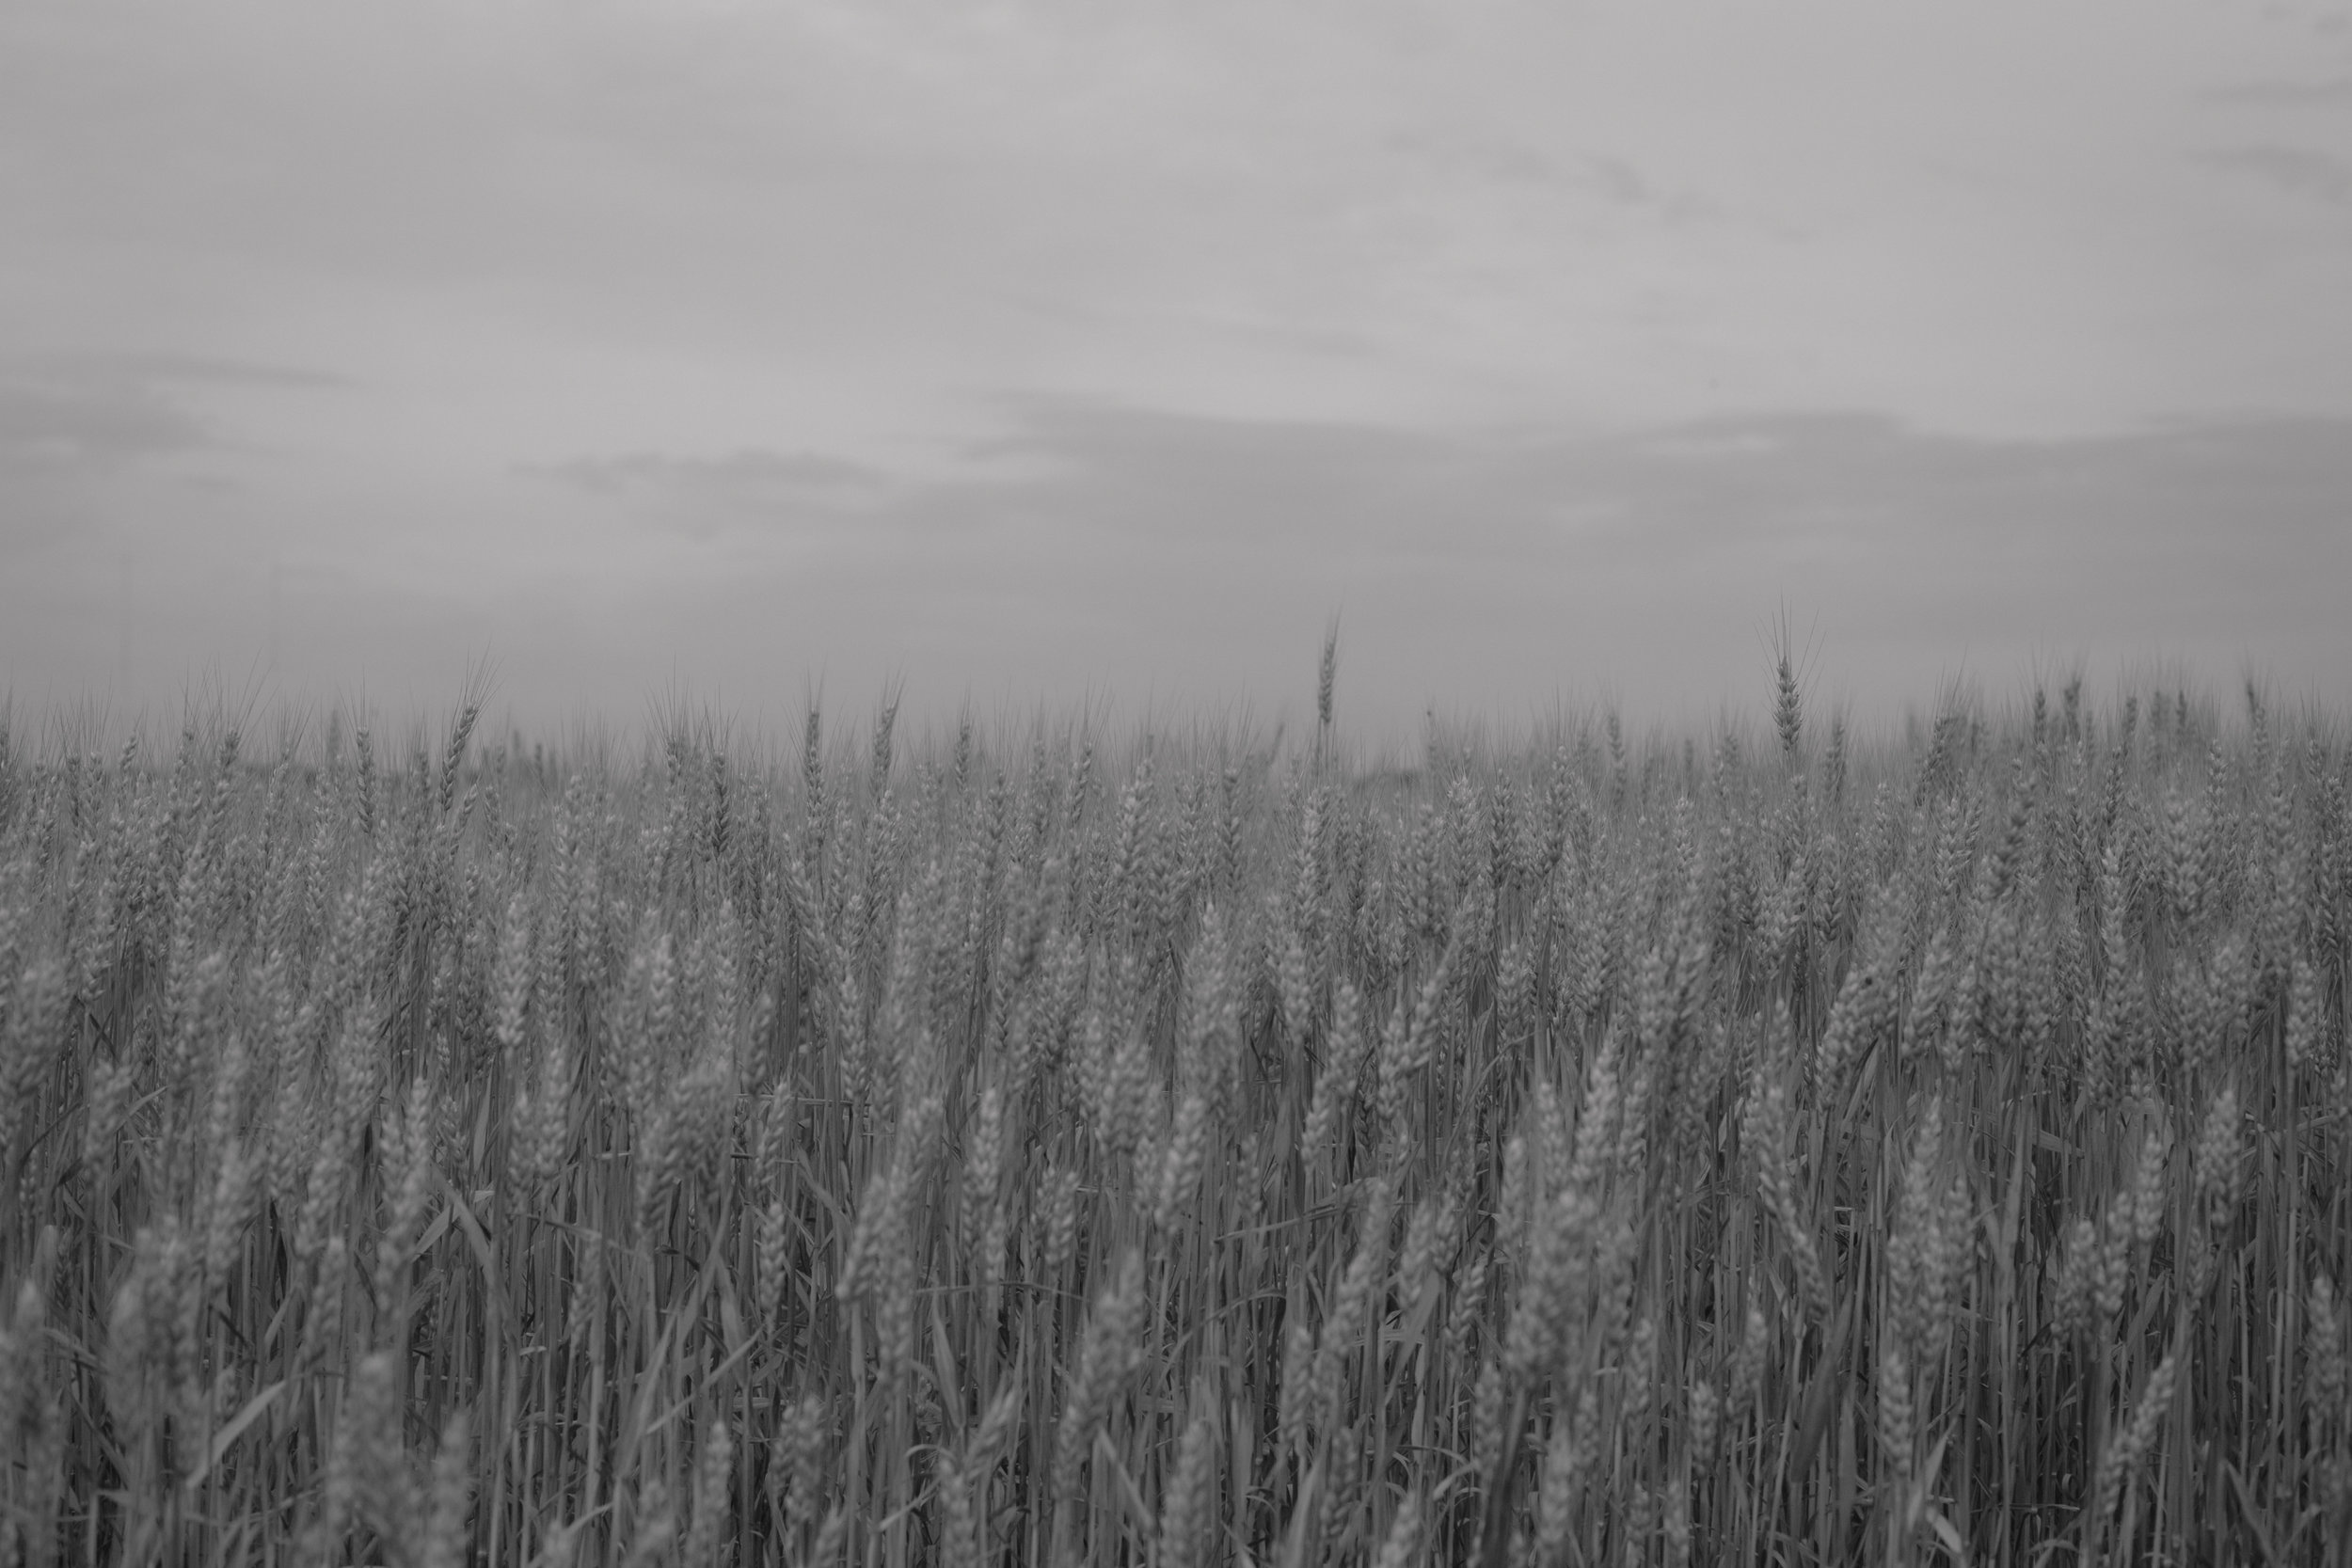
[67,439]
[2331,92]
[1514,168]
[1957,527]
[701,497]
[2321,176]
[746,472]
[93,412]
[131,444]
[1385,211]
[87,423]
[206,370]
[1178,559]
[1102,486]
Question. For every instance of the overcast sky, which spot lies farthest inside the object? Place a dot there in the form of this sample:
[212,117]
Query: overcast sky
[1033,350]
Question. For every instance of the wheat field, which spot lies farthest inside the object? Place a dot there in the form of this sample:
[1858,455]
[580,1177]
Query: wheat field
[1073,1147]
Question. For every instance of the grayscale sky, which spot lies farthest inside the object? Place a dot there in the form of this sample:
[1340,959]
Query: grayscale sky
[1047,349]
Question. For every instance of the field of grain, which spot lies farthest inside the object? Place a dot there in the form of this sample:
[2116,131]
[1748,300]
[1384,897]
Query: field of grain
[1072,1147]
